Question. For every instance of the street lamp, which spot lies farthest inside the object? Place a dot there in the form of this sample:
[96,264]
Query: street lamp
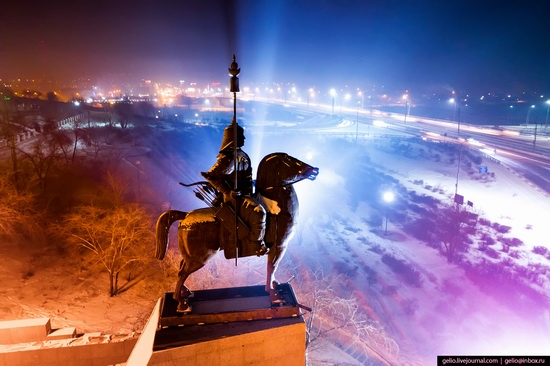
[310,94]
[547,109]
[454,102]
[388,197]
[138,183]
[362,95]
[333,94]
[347,98]
[405,97]
[359,94]
[528,113]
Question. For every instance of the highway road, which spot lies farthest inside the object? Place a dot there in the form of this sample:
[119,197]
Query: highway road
[516,147]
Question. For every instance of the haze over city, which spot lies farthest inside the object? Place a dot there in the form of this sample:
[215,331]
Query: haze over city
[469,46]
[424,234]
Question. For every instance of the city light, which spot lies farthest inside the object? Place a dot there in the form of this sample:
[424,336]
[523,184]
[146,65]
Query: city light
[388,196]
[86,90]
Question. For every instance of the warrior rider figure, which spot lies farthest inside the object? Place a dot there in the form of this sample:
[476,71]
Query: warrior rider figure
[222,177]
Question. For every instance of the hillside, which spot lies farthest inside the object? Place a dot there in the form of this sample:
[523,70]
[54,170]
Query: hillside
[412,303]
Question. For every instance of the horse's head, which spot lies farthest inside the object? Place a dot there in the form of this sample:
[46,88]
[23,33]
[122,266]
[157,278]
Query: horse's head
[280,169]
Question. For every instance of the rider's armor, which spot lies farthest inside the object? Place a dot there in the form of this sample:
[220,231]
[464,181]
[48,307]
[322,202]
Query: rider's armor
[222,177]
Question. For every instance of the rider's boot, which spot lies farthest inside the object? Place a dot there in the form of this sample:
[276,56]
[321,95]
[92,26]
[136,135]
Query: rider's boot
[262,249]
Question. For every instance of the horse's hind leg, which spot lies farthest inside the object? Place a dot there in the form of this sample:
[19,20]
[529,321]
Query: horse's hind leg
[182,292]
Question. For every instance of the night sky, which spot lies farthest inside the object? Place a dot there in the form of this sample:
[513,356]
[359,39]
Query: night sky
[464,45]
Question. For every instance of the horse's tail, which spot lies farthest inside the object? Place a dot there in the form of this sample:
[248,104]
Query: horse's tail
[165,220]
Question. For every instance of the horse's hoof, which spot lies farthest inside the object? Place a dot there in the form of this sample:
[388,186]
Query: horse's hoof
[276,299]
[184,308]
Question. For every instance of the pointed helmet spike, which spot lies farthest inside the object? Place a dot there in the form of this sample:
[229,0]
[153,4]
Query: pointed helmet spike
[234,71]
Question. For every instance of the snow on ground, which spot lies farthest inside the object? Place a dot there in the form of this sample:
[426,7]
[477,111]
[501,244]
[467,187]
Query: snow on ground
[427,305]
[430,306]
[509,200]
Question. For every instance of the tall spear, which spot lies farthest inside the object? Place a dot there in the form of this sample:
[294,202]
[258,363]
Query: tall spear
[234,70]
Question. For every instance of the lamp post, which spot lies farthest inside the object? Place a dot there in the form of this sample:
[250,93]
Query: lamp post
[332,94]
[528,114]
[347,98]
[388,198]
[405,97]
[547,109]
[362,95]
[310,94]
[454,103]
[138,182]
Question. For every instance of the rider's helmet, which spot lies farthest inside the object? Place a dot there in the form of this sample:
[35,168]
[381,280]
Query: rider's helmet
[229,136]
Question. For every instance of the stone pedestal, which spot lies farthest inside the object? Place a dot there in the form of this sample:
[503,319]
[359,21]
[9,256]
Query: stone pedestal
[233,326]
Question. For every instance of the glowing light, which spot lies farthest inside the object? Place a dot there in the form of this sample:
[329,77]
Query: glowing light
[379,123]
[510,133]
[388,196]
[474,142]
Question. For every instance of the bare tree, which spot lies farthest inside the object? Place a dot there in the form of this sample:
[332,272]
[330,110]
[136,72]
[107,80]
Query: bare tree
[450,231]
[119,237]
[9,130]
[17,210]
[337,317]
[68,139]
[124,112]
[45,152]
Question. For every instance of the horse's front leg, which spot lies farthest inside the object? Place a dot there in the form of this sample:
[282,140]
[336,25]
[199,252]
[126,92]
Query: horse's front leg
[273,258]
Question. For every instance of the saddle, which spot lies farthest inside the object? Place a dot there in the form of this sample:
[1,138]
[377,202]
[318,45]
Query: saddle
[244,246]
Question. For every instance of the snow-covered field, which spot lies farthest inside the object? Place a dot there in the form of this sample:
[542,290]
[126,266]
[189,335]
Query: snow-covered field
[425,306]
[430,306]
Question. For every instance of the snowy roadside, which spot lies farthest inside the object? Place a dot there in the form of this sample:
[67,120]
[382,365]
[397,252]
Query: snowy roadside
[433,307]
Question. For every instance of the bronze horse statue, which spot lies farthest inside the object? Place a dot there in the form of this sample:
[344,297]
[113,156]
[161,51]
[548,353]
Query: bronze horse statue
[201,234]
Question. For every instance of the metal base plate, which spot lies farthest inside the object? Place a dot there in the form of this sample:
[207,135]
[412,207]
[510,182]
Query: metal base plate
[230,305]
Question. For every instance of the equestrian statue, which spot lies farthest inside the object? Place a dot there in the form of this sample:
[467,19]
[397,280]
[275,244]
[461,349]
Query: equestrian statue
[240,220]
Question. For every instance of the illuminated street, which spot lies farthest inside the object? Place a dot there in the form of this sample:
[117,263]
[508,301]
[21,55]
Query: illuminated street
[426,126]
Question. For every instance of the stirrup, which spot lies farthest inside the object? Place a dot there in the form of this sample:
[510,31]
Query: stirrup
[263,249]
